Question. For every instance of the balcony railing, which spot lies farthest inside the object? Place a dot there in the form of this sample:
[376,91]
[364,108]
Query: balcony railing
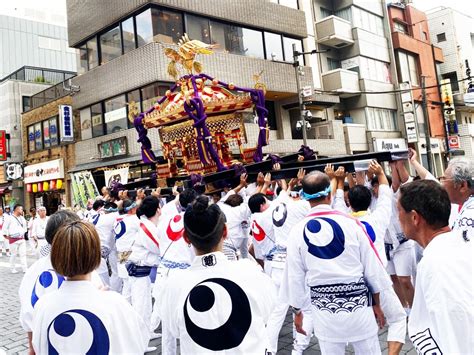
[334,32]
[342,81]
[39,75]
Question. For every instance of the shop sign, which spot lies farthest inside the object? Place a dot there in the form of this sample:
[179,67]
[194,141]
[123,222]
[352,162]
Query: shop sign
[14,171]
[412,135]
[115,115]
[3,145]
[113,148]
[83,188]
[381,144]
[49,170]
[66,123]
[453,142]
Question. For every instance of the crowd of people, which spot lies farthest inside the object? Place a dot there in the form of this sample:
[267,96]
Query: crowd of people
[347,254]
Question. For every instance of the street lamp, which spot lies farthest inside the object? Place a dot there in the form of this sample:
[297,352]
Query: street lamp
[303,124]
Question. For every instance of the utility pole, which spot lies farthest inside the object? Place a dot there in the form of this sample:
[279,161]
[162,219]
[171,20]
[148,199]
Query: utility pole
[301,105]
[427,125]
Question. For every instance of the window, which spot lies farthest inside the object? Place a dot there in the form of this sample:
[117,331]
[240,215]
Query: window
[49,43]
[46,137]
[288,48]
[167,26]
[408,68]
[345,14]
[97,120]
[110,45]
[82,59]
[379,119]
[92,53]
[374,70]
[425,36]
[38,137]
[86,123]
[325,12]
[441,37]
[31,138]
[273,46]
[367,21]
[198,28]
[128,35]
[400,27]
[144,28]
[53,131]
[151,94]
[115,116]
[272,120]
[237,40]
[26,101]
[333,64]
[453,77]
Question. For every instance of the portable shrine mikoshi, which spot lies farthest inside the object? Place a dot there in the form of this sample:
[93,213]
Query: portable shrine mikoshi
[200,118]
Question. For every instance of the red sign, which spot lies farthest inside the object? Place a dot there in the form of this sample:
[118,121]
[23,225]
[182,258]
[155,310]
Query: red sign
[453,142]
[3,145]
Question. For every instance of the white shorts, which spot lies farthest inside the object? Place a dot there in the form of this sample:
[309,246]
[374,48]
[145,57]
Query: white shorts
[370,346]
[402,263]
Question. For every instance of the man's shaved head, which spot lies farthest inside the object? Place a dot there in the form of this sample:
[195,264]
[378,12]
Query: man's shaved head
[315,181]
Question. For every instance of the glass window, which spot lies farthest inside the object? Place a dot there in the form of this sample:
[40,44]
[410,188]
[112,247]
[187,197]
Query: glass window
[134,96]
[408,68]
[115,116]
[53,131]
[128,35]
[46,138]
[345,13]
[151,94]
[379,119]
[31,138]
[453,77]
[92,54]
[82,59]
[219,36]
[272,118]
[198,28]
[288,48]
[86,123]
[400,27]
[252,43]
[325,12]
[38,137]
[333,64]
[413,69]
[26,103]
[97,120]
[167,26]
[441,37]
[273,46]
[110,45]
[144,28]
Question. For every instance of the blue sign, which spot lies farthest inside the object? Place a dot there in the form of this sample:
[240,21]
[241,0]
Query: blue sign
[66,123]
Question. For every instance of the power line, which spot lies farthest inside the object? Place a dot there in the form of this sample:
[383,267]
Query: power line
[384,92]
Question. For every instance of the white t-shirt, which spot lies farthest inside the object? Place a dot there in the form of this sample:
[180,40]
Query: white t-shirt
[80,319]
[442,316]
[218,305]
[465,219]
[15,227]
[39,227]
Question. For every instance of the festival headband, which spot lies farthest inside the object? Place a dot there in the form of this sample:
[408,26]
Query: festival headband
[110,209]
[129,208]
[306,196]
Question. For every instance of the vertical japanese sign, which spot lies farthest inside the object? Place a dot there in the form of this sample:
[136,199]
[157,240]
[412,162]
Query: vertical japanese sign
[66,123]
[3,145]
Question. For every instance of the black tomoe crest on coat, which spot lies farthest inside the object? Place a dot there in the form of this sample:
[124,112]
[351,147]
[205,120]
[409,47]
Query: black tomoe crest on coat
[279,215]
[232,332]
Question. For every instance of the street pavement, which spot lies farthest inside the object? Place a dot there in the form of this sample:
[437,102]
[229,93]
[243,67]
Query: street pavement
[13,339]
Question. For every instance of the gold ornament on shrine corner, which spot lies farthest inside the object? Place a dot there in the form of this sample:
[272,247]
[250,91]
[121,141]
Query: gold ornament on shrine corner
[258,83]
[133,111]
[186,56]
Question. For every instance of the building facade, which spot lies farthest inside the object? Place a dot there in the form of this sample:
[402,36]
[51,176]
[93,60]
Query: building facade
[121,60]
[417,60]
[360,67]
[31,42]
[16,91]
[454,33]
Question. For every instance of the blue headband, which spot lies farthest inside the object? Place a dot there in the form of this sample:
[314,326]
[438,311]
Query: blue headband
[129,208]
[319,194]
[110,209]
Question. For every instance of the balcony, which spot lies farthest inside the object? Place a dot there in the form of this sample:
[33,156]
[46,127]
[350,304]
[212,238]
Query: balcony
[342,81]
[334,32]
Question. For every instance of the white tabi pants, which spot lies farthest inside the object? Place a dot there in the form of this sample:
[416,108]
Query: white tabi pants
[140,292]
[19,247]
[278,315]
[168,341]
[369,346]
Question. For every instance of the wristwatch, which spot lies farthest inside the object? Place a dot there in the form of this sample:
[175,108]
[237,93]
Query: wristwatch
[295,311]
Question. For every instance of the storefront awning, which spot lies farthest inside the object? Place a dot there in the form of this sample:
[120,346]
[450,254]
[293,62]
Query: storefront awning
[102,163]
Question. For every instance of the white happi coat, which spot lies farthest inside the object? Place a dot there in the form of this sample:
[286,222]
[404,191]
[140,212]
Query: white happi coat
[236,218]
[40,279]
[332,254]
[218,305]
[79,319]
[146,249]
[126,229]
[442,317]
[465,219]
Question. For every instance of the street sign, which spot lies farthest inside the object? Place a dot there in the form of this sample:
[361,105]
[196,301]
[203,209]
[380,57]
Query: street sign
[307,91]
[412,135]
[409,117]
[453,142]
